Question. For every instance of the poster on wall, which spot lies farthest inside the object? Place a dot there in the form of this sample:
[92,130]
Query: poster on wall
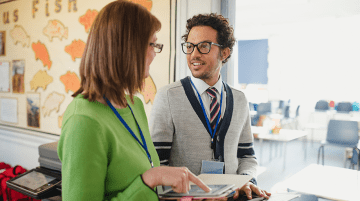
[9,110]
[18,74]
[33,109]
[2,43]
[4,76]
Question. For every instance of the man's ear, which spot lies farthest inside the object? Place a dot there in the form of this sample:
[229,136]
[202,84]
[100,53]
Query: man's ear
[225,53]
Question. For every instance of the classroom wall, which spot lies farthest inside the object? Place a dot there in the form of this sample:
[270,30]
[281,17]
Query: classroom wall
[50,56]
[16,140]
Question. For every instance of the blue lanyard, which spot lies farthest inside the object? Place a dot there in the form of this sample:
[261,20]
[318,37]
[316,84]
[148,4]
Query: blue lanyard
[212,132]
[144,146]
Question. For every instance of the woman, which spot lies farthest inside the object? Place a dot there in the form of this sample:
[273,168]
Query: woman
[105,146]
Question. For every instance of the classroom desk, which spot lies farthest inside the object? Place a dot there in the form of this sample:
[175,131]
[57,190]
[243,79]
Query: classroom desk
[328,182]
[284,136]
[312,127]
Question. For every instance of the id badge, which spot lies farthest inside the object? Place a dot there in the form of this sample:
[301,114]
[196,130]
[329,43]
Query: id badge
[212,167]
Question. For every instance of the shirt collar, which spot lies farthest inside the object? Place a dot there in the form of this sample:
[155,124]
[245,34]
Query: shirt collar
[201,86]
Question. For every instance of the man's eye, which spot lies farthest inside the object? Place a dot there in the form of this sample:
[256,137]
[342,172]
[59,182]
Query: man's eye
[203,46]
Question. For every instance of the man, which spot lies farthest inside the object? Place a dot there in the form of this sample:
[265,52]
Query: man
[200,122]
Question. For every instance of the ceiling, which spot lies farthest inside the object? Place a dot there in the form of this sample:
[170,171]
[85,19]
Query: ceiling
[251,13]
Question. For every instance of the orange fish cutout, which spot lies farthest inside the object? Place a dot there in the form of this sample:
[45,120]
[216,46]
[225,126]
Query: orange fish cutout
[42,53]
[88,19]
[146,3]
[71,81]
[75,49]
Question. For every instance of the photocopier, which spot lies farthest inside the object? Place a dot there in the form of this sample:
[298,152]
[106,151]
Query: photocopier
[42,182]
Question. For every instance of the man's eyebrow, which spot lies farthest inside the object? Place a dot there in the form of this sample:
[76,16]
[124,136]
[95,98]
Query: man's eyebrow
[208,41]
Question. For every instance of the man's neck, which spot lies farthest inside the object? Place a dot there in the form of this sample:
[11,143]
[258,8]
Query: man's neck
[211,82]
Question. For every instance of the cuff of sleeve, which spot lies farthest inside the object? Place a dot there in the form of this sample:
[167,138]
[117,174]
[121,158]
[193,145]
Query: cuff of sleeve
[146,184]
[253,180]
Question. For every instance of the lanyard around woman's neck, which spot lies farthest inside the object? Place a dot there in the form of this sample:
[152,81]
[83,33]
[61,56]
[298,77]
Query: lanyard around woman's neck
[143,145]
[212,132]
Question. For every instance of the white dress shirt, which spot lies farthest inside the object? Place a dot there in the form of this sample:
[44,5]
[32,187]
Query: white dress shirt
[202,86]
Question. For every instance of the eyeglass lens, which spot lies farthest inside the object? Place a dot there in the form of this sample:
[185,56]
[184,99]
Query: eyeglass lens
[203,47]
[157,47]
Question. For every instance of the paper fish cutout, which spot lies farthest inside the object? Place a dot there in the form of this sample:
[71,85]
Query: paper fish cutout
[55,29]
[42,54]
[71,81]
[88,19]
[75,49]
[18,34]
[40,79]
[52,102]
[146,3]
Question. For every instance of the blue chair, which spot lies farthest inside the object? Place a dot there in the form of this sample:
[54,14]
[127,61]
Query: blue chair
[297,111]
[340,134]
[344,107]
[354,161]
[322,105]
[264,108]
[287,112]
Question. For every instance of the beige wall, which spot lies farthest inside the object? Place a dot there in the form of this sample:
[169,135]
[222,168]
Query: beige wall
[21,12]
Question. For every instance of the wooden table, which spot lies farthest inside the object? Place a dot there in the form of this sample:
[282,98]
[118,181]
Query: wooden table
[284,136]
[327,182]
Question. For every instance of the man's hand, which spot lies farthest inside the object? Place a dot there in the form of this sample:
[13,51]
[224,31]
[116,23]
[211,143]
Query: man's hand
[248,189]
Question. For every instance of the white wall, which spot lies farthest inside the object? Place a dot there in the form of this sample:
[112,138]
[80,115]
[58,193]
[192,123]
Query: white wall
[313,49]
[20,146]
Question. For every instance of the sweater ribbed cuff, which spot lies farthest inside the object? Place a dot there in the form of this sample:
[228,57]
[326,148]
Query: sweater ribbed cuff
[146,184]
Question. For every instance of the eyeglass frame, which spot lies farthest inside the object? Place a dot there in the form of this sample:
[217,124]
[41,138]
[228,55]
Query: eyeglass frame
[157,46]
[197,47]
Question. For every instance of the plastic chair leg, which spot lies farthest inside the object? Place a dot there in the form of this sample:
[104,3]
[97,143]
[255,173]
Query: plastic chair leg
[321,148]
[323,153]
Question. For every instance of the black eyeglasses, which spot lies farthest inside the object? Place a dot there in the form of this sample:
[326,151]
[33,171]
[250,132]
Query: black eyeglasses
[157,47]
[203,47]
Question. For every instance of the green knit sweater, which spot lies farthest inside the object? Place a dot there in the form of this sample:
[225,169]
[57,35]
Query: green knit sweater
[100,158]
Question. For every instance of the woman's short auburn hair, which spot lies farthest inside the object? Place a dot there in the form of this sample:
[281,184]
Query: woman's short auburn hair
[113,62]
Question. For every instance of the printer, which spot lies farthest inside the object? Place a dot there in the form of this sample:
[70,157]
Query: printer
[42,182]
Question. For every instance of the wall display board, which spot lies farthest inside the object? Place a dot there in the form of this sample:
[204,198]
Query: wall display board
[2,43]
[41,54]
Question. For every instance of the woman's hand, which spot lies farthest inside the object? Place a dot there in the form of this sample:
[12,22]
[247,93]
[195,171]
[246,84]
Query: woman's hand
[177,177]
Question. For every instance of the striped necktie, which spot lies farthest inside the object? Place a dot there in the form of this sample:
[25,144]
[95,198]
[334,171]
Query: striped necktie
[214,106]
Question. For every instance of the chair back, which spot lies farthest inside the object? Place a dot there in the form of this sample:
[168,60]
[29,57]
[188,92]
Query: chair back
[287,112]
[344,107]
[297,111]
[264,108]
[322,105]
[343,132]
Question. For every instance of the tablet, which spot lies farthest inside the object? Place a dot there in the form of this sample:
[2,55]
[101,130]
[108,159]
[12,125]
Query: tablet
[34,183]
[196,191]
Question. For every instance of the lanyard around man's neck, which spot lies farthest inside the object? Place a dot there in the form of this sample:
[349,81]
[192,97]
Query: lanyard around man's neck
[212,132]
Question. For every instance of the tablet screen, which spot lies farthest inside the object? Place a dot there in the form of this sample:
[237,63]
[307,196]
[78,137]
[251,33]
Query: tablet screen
[197,191]
[33,180]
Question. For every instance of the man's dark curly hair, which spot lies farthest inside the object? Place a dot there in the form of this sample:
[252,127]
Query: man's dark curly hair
[225,32]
